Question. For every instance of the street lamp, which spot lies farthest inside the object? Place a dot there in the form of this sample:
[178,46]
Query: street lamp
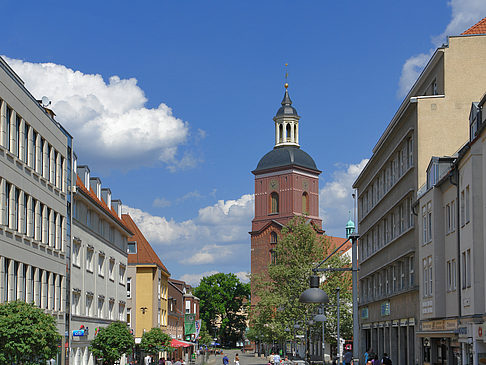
[322,318]
[316,295]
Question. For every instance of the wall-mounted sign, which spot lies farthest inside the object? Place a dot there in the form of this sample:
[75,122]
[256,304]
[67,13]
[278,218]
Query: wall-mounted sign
[364,313]
[78,333]
[385,308]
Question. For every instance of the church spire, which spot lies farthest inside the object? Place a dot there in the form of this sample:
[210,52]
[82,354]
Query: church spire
[286,122]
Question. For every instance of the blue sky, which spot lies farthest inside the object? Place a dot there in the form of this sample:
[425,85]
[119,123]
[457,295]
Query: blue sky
[171,103]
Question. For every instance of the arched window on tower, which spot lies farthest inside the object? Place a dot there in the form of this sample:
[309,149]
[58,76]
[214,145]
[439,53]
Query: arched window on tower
[273,238]
[273,203]
[288,133]
[280,128]
[295,134]
[305,203]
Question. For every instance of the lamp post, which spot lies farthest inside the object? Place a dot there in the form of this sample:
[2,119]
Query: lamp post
[322,318]
[316,295]
[340,353]
[294,351]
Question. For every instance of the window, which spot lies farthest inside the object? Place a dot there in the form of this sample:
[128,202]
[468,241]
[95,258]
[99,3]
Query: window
[387,280]
[274,203]
[273,237]
[448,218]
[273,256]
[112,234]
[453,215]
[387,231]
[305,203]
[402,275]
[129,287]
[111,269]
[411,271]
[101,304]
[33,163]
[75,303]
[430,275]
[122,274]
[25,157]
[132,247]
[7,129]
[426,278]
[410,151]
[121,311]
[89,259]
[429,221]
[394,277]
[467,205]
[101,264]
[111,305]
[89,305]
[188,307]
[454,274]
[88,218]
[463,220]
[76,253]
[401,217]
[129,317]
[101,227]
[449,276]
[468,267]
[392,226]
[410,212]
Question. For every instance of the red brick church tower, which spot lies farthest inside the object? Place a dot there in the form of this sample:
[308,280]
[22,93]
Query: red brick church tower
[286,184]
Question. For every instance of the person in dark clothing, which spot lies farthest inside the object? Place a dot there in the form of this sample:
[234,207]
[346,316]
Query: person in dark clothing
[348,358]
[386,360]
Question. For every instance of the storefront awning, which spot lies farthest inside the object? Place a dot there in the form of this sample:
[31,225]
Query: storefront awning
[179,343]
[437,334]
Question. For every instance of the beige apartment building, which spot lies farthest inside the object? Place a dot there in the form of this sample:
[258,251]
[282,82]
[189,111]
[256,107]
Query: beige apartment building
[35,209]
[452,252]
[431,121]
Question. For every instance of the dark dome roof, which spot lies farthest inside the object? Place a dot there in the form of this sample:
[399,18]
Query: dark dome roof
[285,156]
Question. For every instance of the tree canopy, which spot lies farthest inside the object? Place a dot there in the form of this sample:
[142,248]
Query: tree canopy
[27,334]
[223,298]
[155,341]
[276,305]
[112,342]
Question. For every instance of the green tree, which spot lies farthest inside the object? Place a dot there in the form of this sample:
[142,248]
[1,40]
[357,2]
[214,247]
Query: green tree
[223,299]
[278,290]
[155,341]
[204,336]
[27,334]
[112,342]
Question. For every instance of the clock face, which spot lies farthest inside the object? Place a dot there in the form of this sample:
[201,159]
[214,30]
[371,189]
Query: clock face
[273,184]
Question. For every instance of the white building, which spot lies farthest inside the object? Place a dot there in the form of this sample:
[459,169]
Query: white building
[452,252]
[35,209]
[98,264]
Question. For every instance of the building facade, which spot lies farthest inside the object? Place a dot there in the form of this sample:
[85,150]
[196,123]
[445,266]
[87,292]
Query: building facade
[98,264]
[35,201]
[190,308]
[175,328]
[286,184]
[432,120]
[147,285]
[452,252]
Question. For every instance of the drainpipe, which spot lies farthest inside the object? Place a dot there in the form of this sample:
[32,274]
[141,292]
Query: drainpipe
[454,180]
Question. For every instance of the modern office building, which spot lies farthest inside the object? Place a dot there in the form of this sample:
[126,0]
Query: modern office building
[98,264]
[147,285]
[35,201]
[431,121]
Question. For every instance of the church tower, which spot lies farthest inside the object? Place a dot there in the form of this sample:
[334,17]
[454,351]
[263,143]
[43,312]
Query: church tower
[286,185]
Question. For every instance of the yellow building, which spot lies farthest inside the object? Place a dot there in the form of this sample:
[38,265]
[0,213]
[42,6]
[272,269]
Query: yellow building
[147,285]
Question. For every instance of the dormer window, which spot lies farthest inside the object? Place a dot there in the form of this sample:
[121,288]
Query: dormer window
[273,238]
[132,247]
[274,203]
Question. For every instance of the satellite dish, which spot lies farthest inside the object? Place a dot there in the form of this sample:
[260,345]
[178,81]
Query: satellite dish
[45,101]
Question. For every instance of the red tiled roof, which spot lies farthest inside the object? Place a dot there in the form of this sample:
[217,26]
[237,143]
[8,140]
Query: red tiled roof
[336,242]
[145,253]
[478,28]
[101,203]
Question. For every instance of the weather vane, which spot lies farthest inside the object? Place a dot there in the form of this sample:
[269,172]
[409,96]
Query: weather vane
[286,75]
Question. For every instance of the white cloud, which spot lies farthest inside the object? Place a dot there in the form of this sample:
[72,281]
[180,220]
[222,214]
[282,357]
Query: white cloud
[465,13]
[108,119]
[336,199]
[161,203]
[194,279]
[225,221]
[208,254]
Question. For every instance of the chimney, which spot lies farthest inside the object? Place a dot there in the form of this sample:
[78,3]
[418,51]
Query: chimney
[117,207]
[83,173]
[106,195]
[95,184]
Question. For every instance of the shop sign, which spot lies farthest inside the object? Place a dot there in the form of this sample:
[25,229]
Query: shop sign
[462,331]
[78,333]
[440,325]
[479,332]
[364,313]
[385,308]
[427,326]
[450,324]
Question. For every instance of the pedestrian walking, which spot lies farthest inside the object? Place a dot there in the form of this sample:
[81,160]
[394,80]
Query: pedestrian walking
[237,360]
[276,359]
[367,355]
[375,360]
[225,360]
[270,358]
[386,360]
[348,358]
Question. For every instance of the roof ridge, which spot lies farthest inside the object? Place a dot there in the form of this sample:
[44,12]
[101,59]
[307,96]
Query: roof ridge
[478,28]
